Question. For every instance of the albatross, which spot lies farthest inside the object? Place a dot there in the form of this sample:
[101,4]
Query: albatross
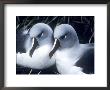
[71,56]
[38,46]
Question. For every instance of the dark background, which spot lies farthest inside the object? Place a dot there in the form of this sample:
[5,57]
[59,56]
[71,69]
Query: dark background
[84,26]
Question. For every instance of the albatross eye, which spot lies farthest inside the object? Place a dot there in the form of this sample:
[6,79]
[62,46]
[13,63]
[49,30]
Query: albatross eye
[40,35]
[63,37]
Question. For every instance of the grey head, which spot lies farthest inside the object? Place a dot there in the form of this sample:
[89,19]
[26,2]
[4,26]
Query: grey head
[40,34]
[65,37]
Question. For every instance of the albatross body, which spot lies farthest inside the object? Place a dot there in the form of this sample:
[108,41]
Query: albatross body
[71,56]
[38,45]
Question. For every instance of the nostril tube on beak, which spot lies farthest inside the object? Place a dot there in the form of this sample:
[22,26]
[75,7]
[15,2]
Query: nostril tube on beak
[56,45]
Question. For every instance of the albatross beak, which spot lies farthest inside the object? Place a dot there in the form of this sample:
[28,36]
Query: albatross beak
[34,45]
[56,45]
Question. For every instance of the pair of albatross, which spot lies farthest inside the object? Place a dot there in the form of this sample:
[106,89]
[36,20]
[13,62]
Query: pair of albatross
[64,50]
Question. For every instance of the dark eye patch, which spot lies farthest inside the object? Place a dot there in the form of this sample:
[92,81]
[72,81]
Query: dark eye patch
[64,36]
[40,35]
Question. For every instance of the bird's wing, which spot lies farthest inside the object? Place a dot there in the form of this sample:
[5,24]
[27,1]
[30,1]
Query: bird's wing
[87,61]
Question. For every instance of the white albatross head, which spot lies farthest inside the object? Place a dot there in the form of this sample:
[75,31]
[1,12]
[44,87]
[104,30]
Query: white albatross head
[66,35]
[65,38]
[39,35]
[42,33]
